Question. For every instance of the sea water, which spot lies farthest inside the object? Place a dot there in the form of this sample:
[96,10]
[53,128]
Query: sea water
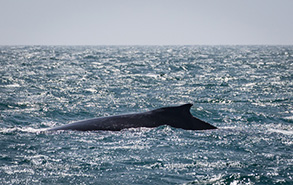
[246,91]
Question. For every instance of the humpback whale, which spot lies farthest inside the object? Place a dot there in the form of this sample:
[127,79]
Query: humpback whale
[175,116]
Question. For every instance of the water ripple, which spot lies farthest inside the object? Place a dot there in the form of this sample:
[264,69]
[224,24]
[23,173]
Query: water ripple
[244,90]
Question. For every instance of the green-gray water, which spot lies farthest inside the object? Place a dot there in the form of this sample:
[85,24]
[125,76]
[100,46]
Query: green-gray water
[246,91]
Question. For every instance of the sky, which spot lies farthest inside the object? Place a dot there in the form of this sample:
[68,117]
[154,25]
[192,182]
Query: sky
[146,22]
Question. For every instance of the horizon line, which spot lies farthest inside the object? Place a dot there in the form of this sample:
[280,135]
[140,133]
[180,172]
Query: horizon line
[146,44]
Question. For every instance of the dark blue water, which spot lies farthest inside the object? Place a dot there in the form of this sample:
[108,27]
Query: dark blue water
[246,91]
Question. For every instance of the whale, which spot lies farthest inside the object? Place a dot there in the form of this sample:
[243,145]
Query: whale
[174,116]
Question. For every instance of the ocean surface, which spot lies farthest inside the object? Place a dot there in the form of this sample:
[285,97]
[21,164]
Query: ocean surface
[246,91]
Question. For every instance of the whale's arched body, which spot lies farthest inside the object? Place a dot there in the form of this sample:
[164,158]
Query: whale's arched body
[176,116]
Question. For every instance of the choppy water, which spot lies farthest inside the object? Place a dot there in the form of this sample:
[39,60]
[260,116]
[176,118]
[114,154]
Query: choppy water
[246,91]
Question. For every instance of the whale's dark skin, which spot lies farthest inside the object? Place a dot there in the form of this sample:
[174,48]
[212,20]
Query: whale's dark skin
[177,116]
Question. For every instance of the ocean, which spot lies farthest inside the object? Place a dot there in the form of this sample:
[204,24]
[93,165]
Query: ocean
[246,91]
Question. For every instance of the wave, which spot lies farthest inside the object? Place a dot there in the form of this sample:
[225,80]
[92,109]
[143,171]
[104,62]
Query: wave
[22,129]
[285,132]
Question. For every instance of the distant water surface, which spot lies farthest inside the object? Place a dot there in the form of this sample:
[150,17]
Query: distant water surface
[246,91]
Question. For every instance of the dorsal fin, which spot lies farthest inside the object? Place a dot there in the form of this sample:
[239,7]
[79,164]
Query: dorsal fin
[183,109]
[185,106]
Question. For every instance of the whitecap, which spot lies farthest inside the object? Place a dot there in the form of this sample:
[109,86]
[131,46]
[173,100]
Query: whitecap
[289,118]
[12,85]
[22,129]
[285,132]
